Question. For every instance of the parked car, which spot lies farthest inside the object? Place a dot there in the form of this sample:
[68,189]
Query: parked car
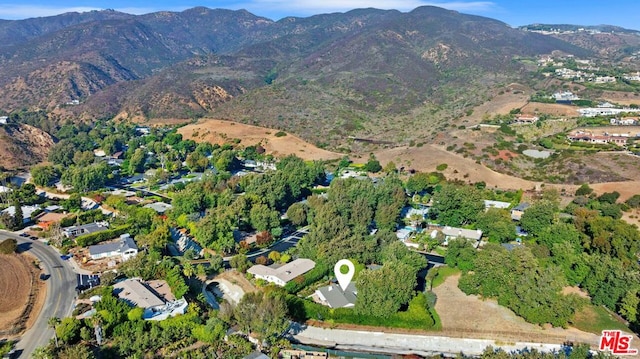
[33,238]
[24,235]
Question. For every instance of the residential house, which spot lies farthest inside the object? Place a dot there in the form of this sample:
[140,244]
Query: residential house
[159,207]
[495,204]
[408,212]
[125,248]
[184,243]
[283,274]
[27,212]
[604,79]
[139,294]
[302,354]
[597,111]
[404,233]
[625,121]
[75,231]
[334,297]
[4,120]
[527,119]
[565,97]
[45,220]
[518,211]
[256,355]
[453,233]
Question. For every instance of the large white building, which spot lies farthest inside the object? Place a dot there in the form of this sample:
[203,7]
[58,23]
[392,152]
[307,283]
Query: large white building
[125,248]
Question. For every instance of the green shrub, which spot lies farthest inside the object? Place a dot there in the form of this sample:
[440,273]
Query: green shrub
[280,134]
[442,167]
[8,246]
[93,238]
[307,279]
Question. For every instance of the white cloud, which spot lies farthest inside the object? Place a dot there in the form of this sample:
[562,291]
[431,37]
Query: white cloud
[323,6]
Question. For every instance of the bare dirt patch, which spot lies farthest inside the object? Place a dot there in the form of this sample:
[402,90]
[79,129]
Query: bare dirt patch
[552,109]
[19,292]
[621,97]
[220,132]
[426,158]
[468,315]
[238,279]
[515,96]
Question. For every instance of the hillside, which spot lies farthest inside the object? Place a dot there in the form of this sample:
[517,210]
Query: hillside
[377,74]
[22,145]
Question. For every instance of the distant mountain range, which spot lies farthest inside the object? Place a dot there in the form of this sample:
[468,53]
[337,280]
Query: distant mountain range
[323,77]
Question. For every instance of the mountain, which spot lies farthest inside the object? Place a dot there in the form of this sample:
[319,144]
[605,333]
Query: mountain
[22,145]
[610,42]
[324,77]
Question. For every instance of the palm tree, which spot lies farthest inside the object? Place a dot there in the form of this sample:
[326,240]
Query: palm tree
[53,323]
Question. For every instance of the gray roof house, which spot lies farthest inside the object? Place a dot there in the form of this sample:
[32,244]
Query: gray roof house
[334,297]
[125,248]
[74,231]
[283,274]
[518,211]
[159,207]
[453,232]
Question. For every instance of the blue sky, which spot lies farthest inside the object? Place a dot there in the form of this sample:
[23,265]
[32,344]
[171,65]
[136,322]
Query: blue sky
[625,13]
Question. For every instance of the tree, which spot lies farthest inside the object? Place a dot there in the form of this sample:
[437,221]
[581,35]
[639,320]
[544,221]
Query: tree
[136,162]
[263,314]
[373,165]
[584,190]
[263,218]
[538,217]
[634,201]
[43,175]
[382,292]
[297,214]
[461,254]
[53,324]
[215,263]
[390,167]
[78,351]
[456,205]
[496,224]
[18,217]
[240,262]
[609,197]
[68,330]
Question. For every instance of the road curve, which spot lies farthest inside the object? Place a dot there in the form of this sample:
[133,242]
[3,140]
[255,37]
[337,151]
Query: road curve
[61,292]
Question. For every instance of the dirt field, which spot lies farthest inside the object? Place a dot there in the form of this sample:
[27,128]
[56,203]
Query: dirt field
[238,279]
[426,158]
[218,131]
[621,97]
[468,315]
[16,282]
[501,104]
[551,109]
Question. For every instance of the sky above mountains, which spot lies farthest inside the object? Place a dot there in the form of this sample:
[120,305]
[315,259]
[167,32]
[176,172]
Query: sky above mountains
[521,12]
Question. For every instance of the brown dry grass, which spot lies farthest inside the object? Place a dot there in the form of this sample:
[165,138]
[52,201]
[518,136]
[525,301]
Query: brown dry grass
[468,314]
[501,104]
[426,158]
[621,97]
[238,279]
[552,109]
[219,131]
[15,281]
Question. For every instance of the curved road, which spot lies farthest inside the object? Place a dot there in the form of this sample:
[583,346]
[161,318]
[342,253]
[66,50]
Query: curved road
[61,285]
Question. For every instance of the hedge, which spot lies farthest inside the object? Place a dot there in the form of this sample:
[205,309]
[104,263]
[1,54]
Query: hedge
[93,238]
[417,316]
[8,246]
[300,282]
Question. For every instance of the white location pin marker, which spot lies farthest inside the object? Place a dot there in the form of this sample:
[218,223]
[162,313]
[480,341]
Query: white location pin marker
[344,278]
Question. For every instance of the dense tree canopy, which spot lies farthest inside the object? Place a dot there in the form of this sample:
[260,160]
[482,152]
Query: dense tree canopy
[456,205]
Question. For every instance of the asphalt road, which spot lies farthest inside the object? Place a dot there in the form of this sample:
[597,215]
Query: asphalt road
[61,283]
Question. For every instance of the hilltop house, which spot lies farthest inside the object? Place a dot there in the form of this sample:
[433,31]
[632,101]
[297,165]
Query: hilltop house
[75,231]
[27,212]
[125,248]
[139,294]
[283,274]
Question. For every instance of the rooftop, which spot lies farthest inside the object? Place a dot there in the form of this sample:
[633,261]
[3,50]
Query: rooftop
[462,232]
[335,297]
[122,245]
[286,272]
[159,207]
[137,293]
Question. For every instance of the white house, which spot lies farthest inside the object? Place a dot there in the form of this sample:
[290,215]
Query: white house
[27,212]
[137,293]
[495,204]
[4,120]
[125,248]
[453,232]
[283,274]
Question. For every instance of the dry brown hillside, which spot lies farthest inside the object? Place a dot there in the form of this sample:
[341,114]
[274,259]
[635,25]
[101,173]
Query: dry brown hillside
[22,145]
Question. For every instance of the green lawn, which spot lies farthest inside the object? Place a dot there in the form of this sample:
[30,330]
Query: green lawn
[595,319]
[441,273]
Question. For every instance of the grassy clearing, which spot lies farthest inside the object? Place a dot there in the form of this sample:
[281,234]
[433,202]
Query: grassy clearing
[440,274]
[595,319]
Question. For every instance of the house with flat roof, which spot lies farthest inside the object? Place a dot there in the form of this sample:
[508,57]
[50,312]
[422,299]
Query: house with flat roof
[125,248]
[27,212]
[495,204]
[334,297]
[75,231]
[159,207]
[302,354]
[518,211]
[138,294]
[453,232]
[283,274]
